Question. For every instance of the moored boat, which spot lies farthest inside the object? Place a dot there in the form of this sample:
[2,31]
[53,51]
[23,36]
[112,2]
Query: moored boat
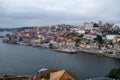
[66,50]
[42,70]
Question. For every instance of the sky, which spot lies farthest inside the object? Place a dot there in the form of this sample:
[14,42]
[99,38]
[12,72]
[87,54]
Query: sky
[19,13]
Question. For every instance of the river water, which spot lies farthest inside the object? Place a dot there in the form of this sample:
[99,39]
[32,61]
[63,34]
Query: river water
[26,60]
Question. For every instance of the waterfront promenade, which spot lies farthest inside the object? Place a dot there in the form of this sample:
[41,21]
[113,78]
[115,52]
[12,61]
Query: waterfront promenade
[98,52]
[108,53]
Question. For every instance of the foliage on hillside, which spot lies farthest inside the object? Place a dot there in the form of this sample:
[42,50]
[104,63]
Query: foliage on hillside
[46,74]
[114,73]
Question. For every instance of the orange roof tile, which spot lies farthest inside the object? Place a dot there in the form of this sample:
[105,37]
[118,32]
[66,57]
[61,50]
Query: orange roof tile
[57,75]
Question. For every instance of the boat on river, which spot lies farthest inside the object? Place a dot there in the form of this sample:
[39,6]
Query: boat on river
[66,50]
[42,70]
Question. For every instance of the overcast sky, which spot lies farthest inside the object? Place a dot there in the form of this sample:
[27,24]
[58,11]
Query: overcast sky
[18,13]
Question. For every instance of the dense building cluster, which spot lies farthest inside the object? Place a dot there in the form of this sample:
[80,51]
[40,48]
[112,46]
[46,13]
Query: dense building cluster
[92,35]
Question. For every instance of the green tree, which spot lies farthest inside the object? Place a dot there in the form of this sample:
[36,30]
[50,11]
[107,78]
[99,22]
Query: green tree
[118,76]
[77,39]
[109,43]
[95,25]
[119,42]
[112,44]
[46,74]
[99,39]
[114,73]
[72,34]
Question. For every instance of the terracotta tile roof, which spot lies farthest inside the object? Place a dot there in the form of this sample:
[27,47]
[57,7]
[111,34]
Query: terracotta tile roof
[57,75]
[82,28]
[14,77]
[45,79]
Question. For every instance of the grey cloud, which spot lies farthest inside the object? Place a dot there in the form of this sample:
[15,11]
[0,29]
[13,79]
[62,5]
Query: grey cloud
[16,13]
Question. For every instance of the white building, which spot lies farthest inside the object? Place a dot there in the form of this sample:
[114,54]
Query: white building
[88,25]
[111,37]
[80,30]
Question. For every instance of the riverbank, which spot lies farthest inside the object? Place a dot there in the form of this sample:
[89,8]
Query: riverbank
[15,77]
[107,53]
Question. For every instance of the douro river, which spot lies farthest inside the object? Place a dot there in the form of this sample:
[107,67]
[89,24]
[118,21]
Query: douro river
[26,60]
